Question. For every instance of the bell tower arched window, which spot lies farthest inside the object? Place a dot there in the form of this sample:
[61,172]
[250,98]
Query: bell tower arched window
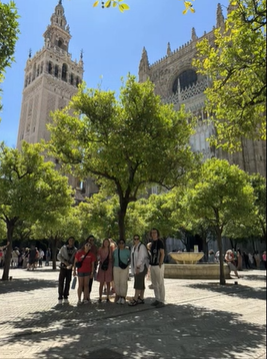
[56,71]
[50,67]
[64,72]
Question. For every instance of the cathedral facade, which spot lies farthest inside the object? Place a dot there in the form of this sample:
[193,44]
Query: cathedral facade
[51,79]
[177,82]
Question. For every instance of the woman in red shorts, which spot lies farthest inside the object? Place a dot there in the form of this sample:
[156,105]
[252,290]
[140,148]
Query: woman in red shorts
[85,271]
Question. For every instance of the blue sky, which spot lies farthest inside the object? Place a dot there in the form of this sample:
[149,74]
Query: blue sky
[112,42]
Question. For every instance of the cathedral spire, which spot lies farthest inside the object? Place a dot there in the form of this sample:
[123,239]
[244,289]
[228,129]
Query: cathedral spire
[169,49]
[143,66]
[193,34]
[220,17]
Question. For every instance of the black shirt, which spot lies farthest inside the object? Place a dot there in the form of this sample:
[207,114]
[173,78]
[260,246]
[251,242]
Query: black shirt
[155,252]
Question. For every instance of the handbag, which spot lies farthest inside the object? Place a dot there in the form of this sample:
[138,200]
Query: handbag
[104,265]
[79,263]
[122,265]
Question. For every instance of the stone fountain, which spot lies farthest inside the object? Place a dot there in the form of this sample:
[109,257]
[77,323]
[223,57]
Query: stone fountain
[187,266]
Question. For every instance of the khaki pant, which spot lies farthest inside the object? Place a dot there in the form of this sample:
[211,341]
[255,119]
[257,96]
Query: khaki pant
[157,279]
[120,277]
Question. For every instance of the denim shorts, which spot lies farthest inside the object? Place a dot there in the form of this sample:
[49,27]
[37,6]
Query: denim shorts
[84,274]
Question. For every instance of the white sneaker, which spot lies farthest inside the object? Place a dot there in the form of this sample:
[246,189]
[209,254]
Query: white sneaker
[122,301]
[59,302]
[119,301]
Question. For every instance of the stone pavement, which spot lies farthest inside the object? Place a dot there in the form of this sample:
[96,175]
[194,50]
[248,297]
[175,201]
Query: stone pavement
[201,319]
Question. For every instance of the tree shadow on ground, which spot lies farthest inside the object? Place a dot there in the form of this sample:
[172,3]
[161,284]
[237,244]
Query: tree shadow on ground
[234,290]
[25,285]
[254,277]
[171,332]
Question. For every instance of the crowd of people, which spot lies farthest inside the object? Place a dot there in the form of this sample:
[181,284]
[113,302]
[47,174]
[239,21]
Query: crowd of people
[27,258]
[237,260]
[109,265]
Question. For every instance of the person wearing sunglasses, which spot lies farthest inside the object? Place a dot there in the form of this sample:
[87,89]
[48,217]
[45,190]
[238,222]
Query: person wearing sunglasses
[85,271]
[139,267]
[121,261]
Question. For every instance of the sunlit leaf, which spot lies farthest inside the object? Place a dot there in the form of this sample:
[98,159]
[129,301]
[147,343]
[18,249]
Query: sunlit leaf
[96,3]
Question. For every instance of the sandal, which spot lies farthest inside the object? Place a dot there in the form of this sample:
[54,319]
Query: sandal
[140,301]
[133,302]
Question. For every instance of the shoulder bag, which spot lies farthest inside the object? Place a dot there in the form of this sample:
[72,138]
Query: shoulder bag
[79,263]
[122,265]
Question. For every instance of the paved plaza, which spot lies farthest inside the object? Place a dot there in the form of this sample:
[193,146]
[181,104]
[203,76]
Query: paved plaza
[201,319]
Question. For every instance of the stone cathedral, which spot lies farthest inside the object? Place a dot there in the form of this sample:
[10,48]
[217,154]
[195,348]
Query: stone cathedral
[51,79]
[177,82]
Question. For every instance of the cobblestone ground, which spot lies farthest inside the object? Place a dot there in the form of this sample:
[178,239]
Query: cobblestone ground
[201,319]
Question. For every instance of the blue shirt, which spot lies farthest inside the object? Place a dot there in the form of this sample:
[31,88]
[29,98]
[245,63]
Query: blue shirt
[125,256]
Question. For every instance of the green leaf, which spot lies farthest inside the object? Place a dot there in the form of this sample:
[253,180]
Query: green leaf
[107,4]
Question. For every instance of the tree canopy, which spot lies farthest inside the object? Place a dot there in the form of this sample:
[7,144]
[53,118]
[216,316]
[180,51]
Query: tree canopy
[124,144]
[221,193]
[9,30]
[236,66]
[30,189]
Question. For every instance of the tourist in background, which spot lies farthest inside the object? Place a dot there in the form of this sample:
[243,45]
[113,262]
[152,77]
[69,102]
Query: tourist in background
[229,259]
[85,271]
[66,257]
[211,256]
[157,268]
[105,268]
[239,260]
[47,256]
[121,261]
[264,259]
[139,267]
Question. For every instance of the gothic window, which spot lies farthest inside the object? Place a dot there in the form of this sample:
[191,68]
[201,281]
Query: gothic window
[38,70]
[29,78]
[50,67]
[42,65]
[64,72]
[56,71]
[186,79]
[60,43]
[71,79]
[77,81]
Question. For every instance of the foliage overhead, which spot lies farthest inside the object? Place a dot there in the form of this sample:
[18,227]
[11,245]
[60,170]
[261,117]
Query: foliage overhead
[8,35]
[236,67]
[122,6]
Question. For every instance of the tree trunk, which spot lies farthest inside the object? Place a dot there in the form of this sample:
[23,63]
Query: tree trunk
[219,241]
[54,253]
[121,218]
[10,230]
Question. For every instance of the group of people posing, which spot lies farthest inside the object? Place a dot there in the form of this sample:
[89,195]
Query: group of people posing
[109,265]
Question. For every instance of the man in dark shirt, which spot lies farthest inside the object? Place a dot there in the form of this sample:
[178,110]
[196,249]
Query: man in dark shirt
[66,257]
[157,268]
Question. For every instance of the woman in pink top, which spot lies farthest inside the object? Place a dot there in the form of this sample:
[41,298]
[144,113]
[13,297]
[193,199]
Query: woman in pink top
[104,255]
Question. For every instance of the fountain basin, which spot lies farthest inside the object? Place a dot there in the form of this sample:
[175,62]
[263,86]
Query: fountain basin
[208,271]
[186,257]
